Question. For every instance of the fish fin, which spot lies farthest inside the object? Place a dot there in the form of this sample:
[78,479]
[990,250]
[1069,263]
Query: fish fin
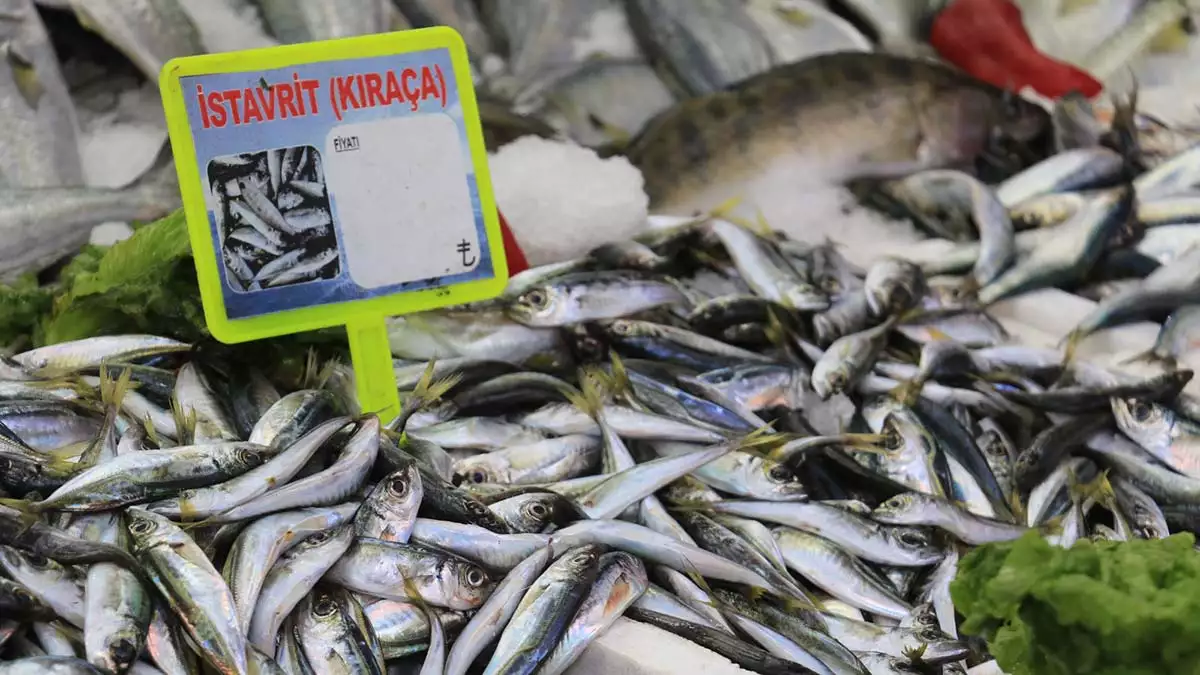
[591,394]
[726,207]
[428,390]
[755,593]
[617,137]
[25,75]
[151,432]
[618,381]
[762,441]
[1052,526]
[1151,357]
[1098,489]
[1070,345]
[185,422]
[29,511]
[410,587]
[112,392]
[761,227]
[186,527]
[1017,507]
[1173,38]
[916,654]
[793,15]
[70,451]
[906,393]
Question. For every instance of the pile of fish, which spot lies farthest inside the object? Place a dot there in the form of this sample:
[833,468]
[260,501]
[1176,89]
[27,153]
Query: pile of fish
[736,437]
[274,217]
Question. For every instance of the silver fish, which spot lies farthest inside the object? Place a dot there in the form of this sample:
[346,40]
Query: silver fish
[259,546]
[385,569]
[914,508]
[622,579]
[545,612]
[196,591]
[496,612]
[292,578]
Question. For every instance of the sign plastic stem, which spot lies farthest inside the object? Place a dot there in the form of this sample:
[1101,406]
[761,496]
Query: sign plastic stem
[374,377]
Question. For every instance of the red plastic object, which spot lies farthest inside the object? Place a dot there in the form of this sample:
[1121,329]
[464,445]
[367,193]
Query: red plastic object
[987,38]
[512,250]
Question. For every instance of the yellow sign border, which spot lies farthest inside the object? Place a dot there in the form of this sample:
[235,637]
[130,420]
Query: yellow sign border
[191,184]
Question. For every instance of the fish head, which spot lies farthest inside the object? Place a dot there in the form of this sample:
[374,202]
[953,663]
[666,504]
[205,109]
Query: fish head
[805,297]
[902,509]
[27,604]
[477,470]
[121,649]
[538,306]
[577,563]
[467,584]
[1144,421]
[239,458]
[775,480]
[966,124]
[915,540]
[399,493]
[831,374]
[941,648]
[147,529]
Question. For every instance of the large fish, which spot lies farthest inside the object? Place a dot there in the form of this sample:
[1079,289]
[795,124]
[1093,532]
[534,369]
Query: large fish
[864,114]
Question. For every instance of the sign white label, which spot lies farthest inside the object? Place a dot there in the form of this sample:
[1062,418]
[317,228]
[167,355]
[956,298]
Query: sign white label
[402,199]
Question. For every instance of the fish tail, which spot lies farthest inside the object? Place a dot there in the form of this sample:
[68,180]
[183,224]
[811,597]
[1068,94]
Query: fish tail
[30,511]
[429,390]
[908,391]
[112,392]
[1152,357]
[593,390]
[185,422]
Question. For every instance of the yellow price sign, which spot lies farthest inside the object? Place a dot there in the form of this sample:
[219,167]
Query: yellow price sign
[335,183]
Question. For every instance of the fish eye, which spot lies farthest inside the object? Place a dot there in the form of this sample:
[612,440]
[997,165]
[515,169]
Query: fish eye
[779,473]
[124,651]
[398,486]
[24,596]
[324,606]
[911,538]
[319,538]
[1139,410]
[141,526]
[38,561]
[837,381]
[536,298]
[621,327]
[246,456]
[478,476]
[476,577]
[538,510]
[892,440]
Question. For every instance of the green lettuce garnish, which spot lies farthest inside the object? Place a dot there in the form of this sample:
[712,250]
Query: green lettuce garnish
[144,284]
[1100,608]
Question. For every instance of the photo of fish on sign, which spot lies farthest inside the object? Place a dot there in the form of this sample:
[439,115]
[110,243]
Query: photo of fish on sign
[275,222]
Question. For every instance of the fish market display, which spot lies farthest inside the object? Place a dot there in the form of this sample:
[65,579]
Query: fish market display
[715,429]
